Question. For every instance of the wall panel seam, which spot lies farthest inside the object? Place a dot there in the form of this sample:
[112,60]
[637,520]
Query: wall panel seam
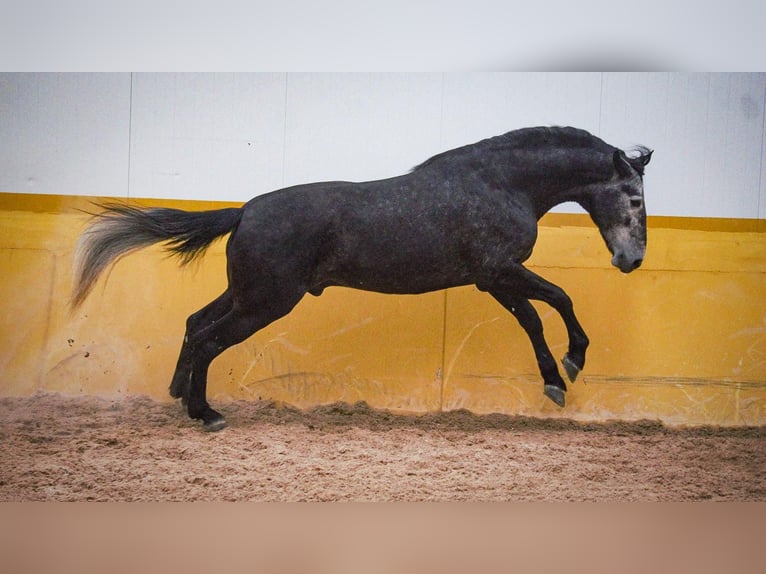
[130,133]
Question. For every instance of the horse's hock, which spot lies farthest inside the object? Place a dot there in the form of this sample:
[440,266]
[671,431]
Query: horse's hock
[682,340]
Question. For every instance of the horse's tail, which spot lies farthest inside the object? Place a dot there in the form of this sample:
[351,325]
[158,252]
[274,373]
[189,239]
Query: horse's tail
[122,229]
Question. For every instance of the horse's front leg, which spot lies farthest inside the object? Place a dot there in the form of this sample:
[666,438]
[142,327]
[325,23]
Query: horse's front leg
[554,386]
[523,283]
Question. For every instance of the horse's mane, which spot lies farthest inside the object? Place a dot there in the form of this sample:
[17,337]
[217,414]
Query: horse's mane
[526,138]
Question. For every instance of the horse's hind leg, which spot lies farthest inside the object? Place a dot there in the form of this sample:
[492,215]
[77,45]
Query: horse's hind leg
[204,346]
[214,311]
[554,386]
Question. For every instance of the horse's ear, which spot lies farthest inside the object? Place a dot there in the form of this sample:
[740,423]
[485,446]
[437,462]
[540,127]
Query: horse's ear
[643,159]
[621,164]
[639,162]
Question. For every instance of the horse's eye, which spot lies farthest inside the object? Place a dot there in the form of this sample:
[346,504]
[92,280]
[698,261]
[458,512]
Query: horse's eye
[635,203]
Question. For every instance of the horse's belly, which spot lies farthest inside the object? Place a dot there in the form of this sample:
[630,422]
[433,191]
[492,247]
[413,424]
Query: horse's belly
[388,273]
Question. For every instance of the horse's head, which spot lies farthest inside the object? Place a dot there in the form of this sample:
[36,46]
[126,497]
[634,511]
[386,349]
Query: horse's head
[617,207]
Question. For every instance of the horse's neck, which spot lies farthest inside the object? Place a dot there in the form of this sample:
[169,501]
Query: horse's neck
[550,184]
[544,198]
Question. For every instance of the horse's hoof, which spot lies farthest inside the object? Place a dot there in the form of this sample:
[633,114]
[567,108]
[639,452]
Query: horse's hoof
[556,394]
[571,369]
[212,420]
[214,425]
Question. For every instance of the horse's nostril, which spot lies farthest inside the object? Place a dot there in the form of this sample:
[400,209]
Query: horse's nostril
[637,263]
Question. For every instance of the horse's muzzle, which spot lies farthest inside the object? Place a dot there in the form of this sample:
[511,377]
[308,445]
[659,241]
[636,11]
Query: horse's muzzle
[627,263]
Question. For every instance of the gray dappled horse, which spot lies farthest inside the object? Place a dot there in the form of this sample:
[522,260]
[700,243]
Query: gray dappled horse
[465,216]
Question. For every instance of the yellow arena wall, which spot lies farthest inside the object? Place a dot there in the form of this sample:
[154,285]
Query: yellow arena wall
[682,340]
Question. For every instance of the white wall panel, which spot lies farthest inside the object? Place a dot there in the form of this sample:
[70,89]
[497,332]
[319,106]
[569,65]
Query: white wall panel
[207,136]
[481,105]
[707,131]
[762,197]
[360,126]
[733,153]
[64,133]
